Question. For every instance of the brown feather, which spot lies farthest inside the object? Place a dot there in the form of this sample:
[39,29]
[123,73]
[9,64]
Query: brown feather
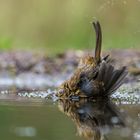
[94,76]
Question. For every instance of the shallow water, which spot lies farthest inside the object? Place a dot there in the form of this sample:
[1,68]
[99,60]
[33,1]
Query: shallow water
[30,115]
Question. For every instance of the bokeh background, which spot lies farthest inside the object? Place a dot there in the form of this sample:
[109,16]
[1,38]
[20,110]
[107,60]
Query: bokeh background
[55,26]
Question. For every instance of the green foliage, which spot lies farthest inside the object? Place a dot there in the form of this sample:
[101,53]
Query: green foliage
[5,43]
[57,26]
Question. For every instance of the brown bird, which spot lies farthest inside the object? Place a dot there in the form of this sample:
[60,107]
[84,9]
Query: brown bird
[94,76]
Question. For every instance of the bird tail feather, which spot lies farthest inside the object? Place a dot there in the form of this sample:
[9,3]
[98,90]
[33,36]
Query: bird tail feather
[98,32]
[111,78]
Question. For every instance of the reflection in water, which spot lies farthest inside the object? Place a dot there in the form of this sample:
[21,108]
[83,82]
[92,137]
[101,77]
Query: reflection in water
[93,119]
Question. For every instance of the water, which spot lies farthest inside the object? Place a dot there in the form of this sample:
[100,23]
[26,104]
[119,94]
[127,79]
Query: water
[34,120]
[32,115]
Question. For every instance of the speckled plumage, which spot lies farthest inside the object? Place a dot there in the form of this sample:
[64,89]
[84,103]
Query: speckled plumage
[94,76]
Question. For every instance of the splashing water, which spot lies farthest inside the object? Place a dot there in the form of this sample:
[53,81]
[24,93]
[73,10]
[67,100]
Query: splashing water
[48,94]
[127,94]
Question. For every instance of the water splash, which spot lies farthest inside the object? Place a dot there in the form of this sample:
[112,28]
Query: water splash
[127,94]
[48,94]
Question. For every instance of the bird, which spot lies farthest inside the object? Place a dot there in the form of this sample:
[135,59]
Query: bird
[94,76]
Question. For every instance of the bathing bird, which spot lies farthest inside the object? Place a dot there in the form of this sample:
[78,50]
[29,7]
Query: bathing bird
[94,76]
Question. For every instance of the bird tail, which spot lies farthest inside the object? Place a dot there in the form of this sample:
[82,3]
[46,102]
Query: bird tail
[98,32]
[111,78]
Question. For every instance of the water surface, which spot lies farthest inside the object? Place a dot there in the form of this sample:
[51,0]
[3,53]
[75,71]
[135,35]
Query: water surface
[23,118]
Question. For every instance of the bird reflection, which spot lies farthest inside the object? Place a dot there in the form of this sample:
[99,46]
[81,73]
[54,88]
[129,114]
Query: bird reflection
[93,119]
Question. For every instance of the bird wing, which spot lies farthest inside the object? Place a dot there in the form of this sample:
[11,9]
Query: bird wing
[112,78]
[105,80]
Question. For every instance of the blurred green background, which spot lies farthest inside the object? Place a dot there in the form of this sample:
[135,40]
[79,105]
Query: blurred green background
[56,26]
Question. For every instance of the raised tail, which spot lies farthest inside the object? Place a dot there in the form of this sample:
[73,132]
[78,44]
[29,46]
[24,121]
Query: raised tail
[98,32]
